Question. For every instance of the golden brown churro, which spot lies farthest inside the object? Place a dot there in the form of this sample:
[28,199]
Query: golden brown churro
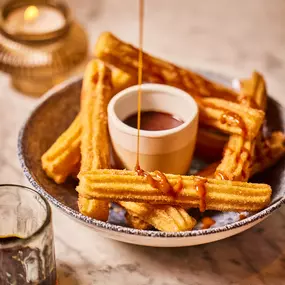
[125,57]
[136,222]
[231,117]
[60,160]
[96,94]
[267,154]
[120,185]
[239,152]
[218,113]
[162,217]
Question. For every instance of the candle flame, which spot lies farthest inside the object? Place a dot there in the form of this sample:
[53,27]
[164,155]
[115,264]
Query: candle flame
[31,13]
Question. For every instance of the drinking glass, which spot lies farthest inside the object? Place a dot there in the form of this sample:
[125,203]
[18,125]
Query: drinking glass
[26,238]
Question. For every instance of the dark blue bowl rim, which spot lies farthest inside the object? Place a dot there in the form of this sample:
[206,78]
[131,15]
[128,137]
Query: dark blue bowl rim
[121,229]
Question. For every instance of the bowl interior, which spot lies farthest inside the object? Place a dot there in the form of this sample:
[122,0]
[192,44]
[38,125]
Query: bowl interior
[57,111]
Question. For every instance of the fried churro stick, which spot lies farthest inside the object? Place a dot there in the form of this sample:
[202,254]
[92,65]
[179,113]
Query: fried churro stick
[267,154]
[239,152]
[121,80]
[60,160]
[124,56]
[96,94]
[136,222]
[221,195]
[230,117]
[253,92]
[162,217]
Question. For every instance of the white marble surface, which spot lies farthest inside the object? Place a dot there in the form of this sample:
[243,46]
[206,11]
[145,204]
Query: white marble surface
[231,37]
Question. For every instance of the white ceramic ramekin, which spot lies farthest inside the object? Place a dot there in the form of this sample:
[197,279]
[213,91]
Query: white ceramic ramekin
[170,150]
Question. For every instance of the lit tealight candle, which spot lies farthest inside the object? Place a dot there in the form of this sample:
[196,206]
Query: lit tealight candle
[34,20]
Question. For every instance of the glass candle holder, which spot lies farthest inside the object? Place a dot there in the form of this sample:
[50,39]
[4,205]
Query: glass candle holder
[40,44]
[26,238]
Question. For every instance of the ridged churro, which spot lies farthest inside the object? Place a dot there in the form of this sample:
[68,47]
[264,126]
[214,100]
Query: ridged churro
[60,160]
[95,154]
[136,222]
[269,152]
[122,185]
[162,217]
[239,152]
[230,117]
[125,57]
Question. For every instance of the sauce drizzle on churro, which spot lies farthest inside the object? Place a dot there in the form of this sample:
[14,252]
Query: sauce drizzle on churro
[233,119]
[201,190]
[161,182]
[221,175]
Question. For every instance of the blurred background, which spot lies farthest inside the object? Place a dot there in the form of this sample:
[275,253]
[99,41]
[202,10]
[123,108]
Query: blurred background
[231,37]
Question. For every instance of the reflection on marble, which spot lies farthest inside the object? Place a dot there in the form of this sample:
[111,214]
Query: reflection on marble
[231,37]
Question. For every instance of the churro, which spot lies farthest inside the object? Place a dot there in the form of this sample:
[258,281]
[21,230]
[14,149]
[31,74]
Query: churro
[162,217]
[239,151]
[136,222]
[230,117]
[96,94]
[125,57]
[219,114]
[268,152]
[213,194]
[60,160]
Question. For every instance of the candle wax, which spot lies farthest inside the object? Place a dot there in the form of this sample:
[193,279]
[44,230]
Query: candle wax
[48,19]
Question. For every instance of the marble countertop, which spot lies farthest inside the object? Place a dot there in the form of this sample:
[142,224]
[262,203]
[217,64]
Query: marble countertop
[230,37]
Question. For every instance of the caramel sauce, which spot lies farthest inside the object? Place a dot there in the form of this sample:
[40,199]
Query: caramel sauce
[161,182]
[207,222]
[242,216]
[247,100]
[228,117]
[233,119]
[201,190]
[221,175]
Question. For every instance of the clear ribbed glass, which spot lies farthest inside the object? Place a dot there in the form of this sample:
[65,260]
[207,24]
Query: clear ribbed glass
[26,238]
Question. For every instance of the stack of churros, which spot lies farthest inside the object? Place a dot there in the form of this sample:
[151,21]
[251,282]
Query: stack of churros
[230,118]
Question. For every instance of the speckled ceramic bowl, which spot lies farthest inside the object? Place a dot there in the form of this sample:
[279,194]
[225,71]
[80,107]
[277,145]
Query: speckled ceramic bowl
[56,112]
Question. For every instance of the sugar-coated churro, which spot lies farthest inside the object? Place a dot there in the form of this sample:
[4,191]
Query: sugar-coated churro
[136,222]
[253,92]
[267,154]
[95,154]
[237,159]
[122,80]
[122,185]
[230,117]
[124,56]
[60,160]
[239,152]
[224,116]
[162,217]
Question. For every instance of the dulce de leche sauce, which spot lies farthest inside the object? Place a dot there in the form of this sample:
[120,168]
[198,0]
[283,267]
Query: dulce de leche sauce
[154,121]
